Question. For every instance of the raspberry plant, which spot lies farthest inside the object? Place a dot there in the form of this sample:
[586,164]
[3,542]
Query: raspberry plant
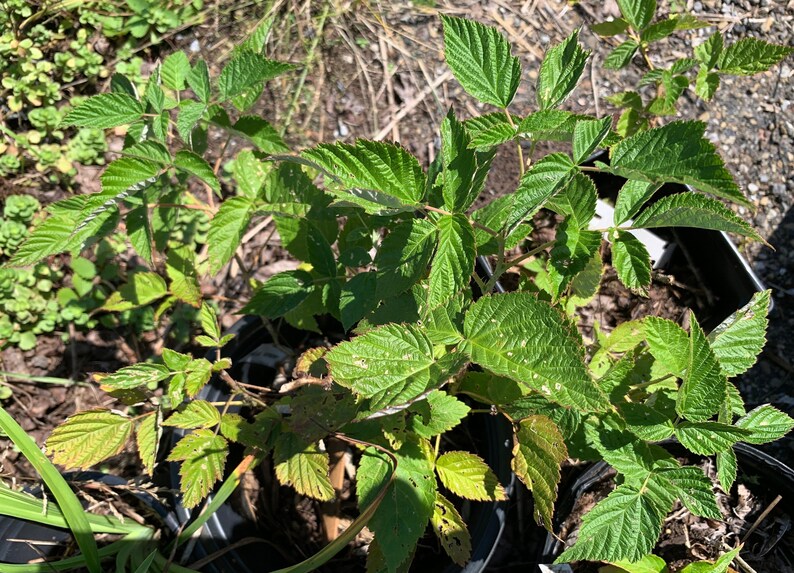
[389,251]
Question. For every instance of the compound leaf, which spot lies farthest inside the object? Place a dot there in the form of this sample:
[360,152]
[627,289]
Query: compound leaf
[479,57]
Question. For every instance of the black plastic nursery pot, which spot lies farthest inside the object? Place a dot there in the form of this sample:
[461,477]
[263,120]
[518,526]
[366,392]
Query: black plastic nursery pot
[713,262]
[235,542]
[762,474]
[24,541]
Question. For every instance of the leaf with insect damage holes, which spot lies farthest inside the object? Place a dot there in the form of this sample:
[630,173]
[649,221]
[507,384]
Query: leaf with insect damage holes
[451,530]
[537,454]
[87,438]
[503,335]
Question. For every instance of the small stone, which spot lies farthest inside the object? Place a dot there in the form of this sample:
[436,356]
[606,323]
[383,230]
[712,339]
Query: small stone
[753,188]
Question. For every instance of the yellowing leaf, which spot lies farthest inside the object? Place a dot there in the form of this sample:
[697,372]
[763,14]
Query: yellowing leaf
[88,438]
[467,475]
[203,455]
[196,414]
[147,436]
[303,466]
[451,530]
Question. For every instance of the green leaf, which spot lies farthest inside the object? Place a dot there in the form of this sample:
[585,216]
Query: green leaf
[147,437]
[704,386]
[659,30]
[226,230]
[358,298]
[391,365]
[479,57]
[588,135]
[766,424]
[621,56]
[196,414]
[624,526]
[402,517]
[708,438]
[668,343]
[632,196]
[191,163]
[281,293]
[437,414]
[550,124]
[648,564]
[504,335]
[259,132]
[573,249]
[727,468]
[489,130]
[245,71]
[465,169]
[694,489]
[87,438]
[190,113]
[537,454]
[135,376]
[610,27]
[722,565]
[638,13]
[560,71]
[540,182]
[739,339]
[453,263]
[672,87]
[175,70]
[203,455]
[303,466]
[129,174]
[181,269]
[675,152]
[377,176]
[199,81]
[139,231]
[706,83]
[632,262]
[105,110]
[451,530]
[708,53]
[646,422]
[467,475]
[143,288]
[749,56]
[403,256]
[693,210]
[49,237]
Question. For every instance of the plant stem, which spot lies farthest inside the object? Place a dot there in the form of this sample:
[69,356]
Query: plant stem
[518,143]
[540,248]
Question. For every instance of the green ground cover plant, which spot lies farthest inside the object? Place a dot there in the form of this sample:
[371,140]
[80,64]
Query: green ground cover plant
[388,249]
